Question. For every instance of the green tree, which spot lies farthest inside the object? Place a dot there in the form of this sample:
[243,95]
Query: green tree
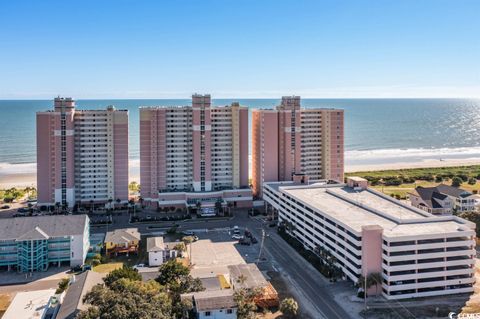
[245,300]
[62,285]
[176,278]
[457,181]
[127,299]
[171,271]
[126,272]
[289,307]
[472,181]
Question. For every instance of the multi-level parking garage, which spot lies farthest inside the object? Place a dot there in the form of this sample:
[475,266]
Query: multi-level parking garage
[418,254]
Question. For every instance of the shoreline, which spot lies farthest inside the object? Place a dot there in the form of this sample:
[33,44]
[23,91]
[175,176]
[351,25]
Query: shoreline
[24,179]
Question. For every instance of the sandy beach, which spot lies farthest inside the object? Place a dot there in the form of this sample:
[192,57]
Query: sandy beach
[25,174]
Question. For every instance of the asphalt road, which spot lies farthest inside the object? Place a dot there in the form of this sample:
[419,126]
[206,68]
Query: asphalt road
[308,282]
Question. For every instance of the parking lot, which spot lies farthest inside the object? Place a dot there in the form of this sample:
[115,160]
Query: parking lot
[217,247]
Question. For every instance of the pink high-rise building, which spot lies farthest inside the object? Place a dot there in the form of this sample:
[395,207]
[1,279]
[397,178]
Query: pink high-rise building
[194,153]
[291,140]
[82,156]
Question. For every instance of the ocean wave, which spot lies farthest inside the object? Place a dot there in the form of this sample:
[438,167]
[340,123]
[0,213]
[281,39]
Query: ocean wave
[352,157]
[21,168]
[420,153]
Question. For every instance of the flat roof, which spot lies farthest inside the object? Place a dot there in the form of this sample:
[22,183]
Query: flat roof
[356,209]
[29,304]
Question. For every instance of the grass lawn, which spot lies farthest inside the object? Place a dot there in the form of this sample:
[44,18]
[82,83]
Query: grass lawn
[403,189]
[106,268]
[472,170]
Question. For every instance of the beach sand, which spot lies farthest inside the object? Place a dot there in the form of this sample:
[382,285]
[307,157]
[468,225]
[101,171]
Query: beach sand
[24,179]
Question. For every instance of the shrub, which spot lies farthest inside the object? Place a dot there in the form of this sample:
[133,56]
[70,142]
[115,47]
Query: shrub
[472,181]
[439,178]
[457,181]
[62,285]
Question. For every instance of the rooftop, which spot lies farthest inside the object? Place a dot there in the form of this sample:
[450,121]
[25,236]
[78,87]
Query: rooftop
[212,299]
[358,208]
[30,304]
[122,235]
[73,300]
[42,227]
[155,244]
[247,276]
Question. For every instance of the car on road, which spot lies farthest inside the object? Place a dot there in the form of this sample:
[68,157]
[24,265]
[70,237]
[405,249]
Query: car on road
[245,241]
[188,233]
[139,266]
[236,230]
[254,240]
[272,224]
[5,207]
[237,236]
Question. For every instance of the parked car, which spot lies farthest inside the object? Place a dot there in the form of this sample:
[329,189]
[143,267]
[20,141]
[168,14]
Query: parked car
[237,236]
[22,210]
[5,207]
[254,240]
[139,266]
[272,224]
[245,241]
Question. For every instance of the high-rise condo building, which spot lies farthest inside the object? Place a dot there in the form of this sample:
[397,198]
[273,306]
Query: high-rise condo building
[291,140]
[82,155]
[197,153]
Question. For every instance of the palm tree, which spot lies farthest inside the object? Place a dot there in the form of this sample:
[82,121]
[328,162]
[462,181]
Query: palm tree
[229,205]
[375,278]
[218,205]
[198,205]
[57,207]
[131,202]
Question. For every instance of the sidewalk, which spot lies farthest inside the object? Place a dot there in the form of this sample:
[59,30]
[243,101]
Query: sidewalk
[8,278]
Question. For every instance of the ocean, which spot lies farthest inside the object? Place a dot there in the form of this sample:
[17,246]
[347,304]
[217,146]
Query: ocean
[377,131]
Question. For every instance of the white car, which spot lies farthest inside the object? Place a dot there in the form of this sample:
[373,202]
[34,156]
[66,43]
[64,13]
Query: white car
[139,266]
[237,236]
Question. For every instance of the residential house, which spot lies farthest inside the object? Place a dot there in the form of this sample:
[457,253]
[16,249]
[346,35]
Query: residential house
[213,304]
[159,251]
[33,304]
[124,240]
[73,303]
[248,276]
[443,199]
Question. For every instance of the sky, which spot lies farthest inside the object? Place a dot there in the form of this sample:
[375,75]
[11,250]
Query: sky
[244,48]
